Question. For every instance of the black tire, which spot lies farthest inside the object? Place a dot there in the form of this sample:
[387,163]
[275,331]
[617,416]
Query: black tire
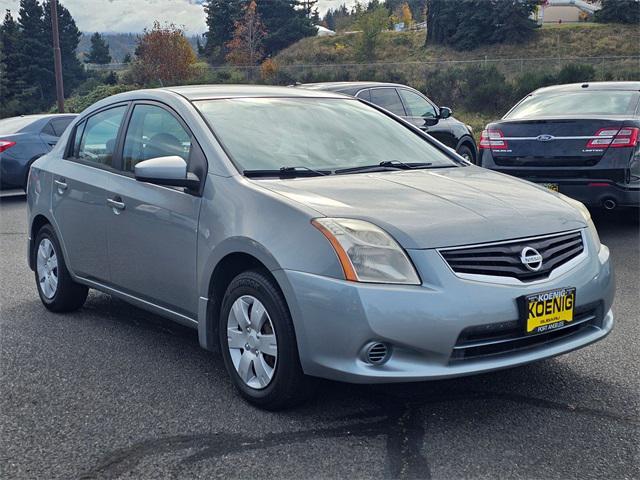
[465,151]
[69,295]
[288,386]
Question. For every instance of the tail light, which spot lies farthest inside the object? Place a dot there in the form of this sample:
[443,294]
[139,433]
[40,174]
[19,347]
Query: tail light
[4,144]
[614,138]
[493,140]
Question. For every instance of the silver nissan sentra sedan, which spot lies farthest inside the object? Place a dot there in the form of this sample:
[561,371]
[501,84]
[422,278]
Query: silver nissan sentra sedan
[307,234]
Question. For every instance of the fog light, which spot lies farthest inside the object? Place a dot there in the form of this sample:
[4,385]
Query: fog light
[376,353]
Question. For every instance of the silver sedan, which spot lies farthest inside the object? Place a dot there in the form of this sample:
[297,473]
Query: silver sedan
[307,234]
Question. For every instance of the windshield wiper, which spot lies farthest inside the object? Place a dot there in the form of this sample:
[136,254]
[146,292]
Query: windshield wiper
[406,166]
[385,166]
[299,171]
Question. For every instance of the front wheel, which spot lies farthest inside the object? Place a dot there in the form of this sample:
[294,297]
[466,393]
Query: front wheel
[465,152]
[57,290]
[258,343]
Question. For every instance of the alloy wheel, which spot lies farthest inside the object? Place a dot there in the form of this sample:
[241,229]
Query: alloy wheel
[252,342]
[47,267]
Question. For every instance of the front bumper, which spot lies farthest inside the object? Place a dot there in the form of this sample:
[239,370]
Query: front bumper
[335,319]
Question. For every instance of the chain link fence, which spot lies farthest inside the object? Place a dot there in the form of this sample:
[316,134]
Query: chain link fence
[606,68]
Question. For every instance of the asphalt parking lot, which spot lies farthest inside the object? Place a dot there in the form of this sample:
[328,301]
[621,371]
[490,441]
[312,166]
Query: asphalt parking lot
[114,392]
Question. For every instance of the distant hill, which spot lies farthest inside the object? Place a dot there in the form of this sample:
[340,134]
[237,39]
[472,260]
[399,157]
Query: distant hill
[119,44]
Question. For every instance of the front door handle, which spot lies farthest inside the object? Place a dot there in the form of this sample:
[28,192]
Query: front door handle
[61,184]
[116,204]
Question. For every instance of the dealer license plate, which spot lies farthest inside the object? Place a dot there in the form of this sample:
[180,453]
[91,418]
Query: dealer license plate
[549,310]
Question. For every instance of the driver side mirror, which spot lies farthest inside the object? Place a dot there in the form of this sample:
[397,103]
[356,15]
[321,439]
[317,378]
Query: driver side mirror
[168,171]
[445,112]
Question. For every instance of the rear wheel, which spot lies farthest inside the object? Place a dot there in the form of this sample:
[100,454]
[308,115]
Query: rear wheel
[465,152]
[258,343]
[57,290]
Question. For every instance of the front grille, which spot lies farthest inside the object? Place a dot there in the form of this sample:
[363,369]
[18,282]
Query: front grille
[503,259]
[581,161]
[483,341]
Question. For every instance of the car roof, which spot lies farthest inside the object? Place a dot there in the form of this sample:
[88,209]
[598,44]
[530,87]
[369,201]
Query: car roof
[201,92]
[28,123]
[40,116]
[586,86]
[340,86]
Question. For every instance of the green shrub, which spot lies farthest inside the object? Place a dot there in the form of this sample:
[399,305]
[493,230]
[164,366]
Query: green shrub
[78,103]
[575,73]
[485,89]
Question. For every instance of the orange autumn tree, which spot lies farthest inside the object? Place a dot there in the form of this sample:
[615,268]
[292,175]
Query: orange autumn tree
[245,48]
[407,17]
[164,55]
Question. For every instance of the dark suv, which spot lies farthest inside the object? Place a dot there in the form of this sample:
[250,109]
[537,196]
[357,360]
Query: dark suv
[414,107]
[580,139]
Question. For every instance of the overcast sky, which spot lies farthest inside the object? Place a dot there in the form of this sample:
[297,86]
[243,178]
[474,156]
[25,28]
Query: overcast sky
[134,15]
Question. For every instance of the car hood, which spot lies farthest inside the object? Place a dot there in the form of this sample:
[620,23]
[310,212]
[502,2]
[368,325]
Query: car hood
[437,207]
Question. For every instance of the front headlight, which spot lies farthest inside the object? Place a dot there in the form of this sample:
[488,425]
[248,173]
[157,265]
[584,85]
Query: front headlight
[587,217]
[366,252]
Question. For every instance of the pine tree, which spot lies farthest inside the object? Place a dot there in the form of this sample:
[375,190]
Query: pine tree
[286,22]
[309,6]
[199,47]
[4,97]
[99,52]
[315,17]
[13,85]
[72,70]
[221,18]
[126,58]
[442,21]
[467,24]
[329,20]
[35,68]
[619,11]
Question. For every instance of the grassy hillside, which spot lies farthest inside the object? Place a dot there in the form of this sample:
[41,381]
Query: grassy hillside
[575,40]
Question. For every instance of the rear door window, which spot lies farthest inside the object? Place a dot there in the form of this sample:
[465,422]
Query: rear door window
[365,95]
[417,105]
[98,138]
[388,99]
[48,130]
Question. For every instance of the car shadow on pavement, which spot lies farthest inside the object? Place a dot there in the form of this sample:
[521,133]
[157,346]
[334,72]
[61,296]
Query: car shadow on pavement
[399,414]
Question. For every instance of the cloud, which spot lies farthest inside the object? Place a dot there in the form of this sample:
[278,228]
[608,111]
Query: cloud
[135,15]
[129,15]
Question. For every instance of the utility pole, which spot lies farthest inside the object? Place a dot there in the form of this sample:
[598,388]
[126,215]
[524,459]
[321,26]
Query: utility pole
[57,56]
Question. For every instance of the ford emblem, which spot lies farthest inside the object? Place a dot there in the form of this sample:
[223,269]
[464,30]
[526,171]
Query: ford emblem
[545,138]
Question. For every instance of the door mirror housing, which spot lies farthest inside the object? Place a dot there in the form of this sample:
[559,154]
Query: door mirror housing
[169,171]
[445,112]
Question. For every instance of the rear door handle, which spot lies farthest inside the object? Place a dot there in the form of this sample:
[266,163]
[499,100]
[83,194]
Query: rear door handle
[61,184]
[116,203]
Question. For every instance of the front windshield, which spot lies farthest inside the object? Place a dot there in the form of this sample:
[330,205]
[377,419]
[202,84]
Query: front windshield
[576,103]
[313,133]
